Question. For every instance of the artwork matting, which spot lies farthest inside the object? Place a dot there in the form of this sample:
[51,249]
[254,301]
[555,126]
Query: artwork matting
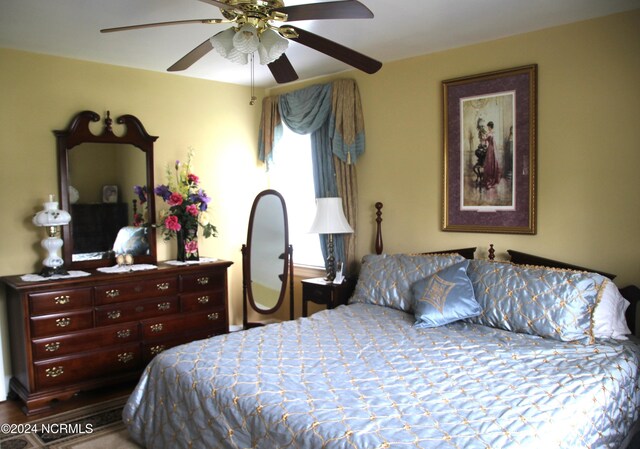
[489,179]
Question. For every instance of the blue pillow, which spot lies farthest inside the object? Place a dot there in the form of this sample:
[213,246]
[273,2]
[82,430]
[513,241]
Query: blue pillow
[444,297]
[386,279]
[548,302]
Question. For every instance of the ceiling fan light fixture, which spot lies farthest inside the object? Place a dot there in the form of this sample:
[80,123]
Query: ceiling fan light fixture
[271,47]
[238,57]
[223,41]
[246,39]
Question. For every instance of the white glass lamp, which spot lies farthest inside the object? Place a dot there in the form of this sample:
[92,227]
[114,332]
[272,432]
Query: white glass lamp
[51,218]
[330,220]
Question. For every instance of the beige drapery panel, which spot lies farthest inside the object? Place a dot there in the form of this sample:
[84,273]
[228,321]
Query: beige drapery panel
[347,109]
[269,123]
[348,126]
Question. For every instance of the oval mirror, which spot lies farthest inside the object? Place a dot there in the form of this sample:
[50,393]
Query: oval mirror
[267,254]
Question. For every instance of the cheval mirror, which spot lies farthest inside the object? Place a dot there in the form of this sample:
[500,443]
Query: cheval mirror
[102,177]
[267,261]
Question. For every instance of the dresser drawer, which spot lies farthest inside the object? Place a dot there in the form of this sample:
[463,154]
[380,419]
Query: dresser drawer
[61,323]
[201,334]
[152,349]
[163,328]
[100,364]
[135,310]
[205,280]
[59,301]
[45,348]
[194,302]
[122,291]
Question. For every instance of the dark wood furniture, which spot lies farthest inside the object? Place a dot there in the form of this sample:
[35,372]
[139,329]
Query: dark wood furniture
[267,259]
[319,291]
[87,332]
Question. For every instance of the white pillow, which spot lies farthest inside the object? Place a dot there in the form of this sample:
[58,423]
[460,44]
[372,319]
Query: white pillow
[608,316]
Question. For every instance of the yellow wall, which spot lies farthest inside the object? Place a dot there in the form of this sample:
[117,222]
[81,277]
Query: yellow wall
[588,145]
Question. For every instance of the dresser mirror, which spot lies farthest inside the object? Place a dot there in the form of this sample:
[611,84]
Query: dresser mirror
[103,175]
[267,257]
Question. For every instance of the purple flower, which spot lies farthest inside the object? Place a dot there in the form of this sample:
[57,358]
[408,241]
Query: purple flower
[200,197]
[141,191]
[163,192]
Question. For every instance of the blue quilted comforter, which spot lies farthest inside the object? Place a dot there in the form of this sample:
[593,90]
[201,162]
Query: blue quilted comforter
[361,376]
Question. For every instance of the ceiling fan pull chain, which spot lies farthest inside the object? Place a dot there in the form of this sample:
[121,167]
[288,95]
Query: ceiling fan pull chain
[253,90]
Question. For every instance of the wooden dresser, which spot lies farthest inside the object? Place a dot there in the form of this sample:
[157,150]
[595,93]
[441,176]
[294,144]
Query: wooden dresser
[88,332]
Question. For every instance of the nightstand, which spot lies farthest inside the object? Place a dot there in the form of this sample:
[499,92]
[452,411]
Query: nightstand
[322,292]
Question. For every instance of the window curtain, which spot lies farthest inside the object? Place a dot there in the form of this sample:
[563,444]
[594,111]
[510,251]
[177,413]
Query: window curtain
[332,114]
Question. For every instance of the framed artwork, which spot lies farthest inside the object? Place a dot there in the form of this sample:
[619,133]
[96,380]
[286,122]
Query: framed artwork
[109,194]
[490,152]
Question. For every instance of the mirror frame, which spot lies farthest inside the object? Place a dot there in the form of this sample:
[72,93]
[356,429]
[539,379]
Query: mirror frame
[287,265]
[78,133]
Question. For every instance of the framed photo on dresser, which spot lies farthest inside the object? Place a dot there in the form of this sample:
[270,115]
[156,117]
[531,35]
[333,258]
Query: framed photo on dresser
[489,180]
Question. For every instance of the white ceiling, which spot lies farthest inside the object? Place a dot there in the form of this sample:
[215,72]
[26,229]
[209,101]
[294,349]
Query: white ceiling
[400,29]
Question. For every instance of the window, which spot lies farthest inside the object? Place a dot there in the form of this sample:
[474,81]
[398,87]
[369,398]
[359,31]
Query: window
[291,174]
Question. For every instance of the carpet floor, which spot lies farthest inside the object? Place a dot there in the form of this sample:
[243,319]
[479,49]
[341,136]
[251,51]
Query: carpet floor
[97,426]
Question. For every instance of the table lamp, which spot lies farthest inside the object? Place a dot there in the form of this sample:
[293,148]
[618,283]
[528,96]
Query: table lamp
[52,218]
[330,220]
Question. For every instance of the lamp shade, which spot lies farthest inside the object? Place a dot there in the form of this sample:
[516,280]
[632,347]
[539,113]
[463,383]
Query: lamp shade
[330,217]
[223,43]
[246,39]
[51,215]
[271,47]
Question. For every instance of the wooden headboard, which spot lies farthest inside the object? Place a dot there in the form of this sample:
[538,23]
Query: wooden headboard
[467,253]
[530,259]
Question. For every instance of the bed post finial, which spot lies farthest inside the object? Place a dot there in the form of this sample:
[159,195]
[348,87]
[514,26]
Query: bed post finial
[492,252]
[379,244]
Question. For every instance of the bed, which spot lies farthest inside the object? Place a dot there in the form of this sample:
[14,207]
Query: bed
[397,369]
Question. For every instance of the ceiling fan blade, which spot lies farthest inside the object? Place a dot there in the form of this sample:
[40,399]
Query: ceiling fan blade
[282,70]
[160,24]
[337,51]
[345,9]
[190,58]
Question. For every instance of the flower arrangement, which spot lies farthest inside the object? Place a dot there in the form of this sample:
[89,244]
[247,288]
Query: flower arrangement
[187,211]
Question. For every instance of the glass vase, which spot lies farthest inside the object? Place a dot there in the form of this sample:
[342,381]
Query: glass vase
[188,244]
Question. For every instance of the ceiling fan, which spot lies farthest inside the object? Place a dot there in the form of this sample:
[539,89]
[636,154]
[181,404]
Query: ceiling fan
[254,31]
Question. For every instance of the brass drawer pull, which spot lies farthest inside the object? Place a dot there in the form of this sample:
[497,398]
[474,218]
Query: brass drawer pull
[63,322]
[213,316]
[163,286]
[164,306]
[157,349]
[124,333]
[125,357]
[52,347]
[203,299]
[114,314]
[62,300]
[54,371]
[113,293]
[203,280]
[156,327]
